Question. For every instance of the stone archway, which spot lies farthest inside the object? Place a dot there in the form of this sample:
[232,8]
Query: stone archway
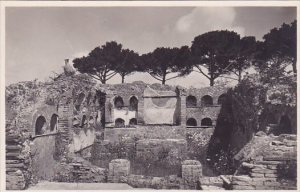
[206,100]
[206,122]
[40,125]
[191,101]
[191,122]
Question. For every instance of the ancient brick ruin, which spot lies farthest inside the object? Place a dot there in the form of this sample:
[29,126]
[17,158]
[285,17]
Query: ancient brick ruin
[104,133]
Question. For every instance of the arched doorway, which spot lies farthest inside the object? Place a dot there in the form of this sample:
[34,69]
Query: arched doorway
[40,125]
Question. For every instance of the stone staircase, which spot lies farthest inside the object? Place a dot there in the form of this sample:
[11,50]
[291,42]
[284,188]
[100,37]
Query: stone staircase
[15,162]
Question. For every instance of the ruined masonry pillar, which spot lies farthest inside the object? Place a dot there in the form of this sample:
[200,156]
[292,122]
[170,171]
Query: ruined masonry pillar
[191,172]
[183,108]
[119,170]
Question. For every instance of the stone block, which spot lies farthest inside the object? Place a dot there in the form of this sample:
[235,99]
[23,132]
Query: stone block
[273,167]
[277,143]
[256,174]
[119,170]
[271,175]
[263,170]
[289,143]
[242,178]
[270,162]
[191,172]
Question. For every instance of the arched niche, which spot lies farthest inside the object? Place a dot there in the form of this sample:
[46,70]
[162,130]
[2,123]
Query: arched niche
[191,122]
[53,122]
[118,102]
[133,121]
[206,100]
[221,99]
[133,103]
[119,123]
[191,101]
[207,122]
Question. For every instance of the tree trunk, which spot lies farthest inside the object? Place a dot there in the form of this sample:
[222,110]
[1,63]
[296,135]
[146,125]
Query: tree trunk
[212,82]
[103,81]
[240,76]
[294,67]
[163,82]
[123,78]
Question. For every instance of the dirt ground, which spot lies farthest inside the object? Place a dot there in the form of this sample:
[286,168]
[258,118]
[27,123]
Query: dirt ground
[45,185]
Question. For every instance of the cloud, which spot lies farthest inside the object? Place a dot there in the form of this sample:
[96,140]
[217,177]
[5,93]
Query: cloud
[201,20]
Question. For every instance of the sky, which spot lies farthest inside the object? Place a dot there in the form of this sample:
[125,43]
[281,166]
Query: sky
[38,39]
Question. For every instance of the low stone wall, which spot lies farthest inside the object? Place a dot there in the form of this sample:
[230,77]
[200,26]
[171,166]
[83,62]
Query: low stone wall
[172,151]
[145,132]
[276,170]
[191,172]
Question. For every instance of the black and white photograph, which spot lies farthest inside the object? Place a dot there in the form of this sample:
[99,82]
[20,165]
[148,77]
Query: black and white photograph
[151,95]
